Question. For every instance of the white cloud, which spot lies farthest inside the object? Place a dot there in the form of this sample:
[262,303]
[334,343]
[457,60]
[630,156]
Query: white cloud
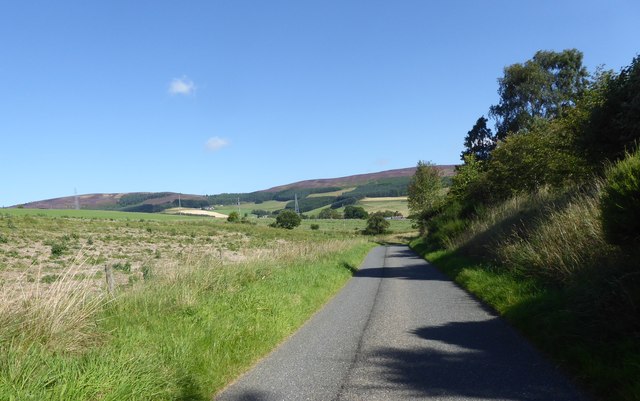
[216,143]
[181,86]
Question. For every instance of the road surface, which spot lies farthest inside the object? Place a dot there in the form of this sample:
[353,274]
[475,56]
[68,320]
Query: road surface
[400,330]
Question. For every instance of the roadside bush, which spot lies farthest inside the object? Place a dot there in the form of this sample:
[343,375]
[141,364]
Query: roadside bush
[315,226]
[445,226]
[376,224]
[620,201]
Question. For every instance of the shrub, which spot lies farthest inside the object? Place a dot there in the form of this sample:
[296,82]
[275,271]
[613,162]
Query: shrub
[123,267]
[234,217]
[329,213]
[58,248]
[376,224]
[620,201]
[288,219]
[315,226]
[49,278]
[446,225]
[147,271]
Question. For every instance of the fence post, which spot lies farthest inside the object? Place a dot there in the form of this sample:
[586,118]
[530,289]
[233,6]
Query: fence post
[108,273]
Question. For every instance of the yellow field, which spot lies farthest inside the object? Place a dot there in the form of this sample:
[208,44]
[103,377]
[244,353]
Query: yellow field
[397,198]
[334,193]
[195,212]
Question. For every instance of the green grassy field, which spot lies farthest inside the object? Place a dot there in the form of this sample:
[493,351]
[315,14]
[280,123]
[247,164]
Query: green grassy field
[196,301]
[373,205]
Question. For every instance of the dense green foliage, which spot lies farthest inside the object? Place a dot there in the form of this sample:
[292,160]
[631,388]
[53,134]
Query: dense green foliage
[147,208]
[233,217]
[190,203]
[425,193]
[538,211]
[382,188]
[479,141]
[329,213]
[376,224]
[140,197]
[288,219]
[355,212]
[539,88]
[620,201]
[260,212]
[614,120]
[308,204]
[341,201]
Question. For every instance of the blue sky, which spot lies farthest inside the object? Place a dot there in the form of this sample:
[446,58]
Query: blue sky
[234,96]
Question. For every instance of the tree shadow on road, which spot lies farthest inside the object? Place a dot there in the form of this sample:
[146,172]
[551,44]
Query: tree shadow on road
[472,359]
[413,268]
[251,395]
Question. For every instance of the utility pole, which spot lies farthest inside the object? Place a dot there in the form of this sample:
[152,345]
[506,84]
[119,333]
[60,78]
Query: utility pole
[238,206]
[296,206]
[77,201]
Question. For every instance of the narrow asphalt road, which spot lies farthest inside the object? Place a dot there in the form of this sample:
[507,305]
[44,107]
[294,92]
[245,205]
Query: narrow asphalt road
[400,330]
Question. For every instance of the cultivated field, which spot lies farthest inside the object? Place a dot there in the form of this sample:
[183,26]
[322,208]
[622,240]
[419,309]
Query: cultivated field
[373,205]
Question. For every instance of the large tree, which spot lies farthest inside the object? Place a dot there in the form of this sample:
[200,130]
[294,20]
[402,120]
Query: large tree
[540,88]
[479,142]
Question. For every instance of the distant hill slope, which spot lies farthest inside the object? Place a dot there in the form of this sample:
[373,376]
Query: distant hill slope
[380,184]
[113,201]
[355,180]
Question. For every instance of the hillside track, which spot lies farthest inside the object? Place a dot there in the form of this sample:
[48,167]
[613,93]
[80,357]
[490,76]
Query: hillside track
[400,330]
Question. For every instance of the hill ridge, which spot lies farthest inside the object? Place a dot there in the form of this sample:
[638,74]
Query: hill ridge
[446,171]
[132,200]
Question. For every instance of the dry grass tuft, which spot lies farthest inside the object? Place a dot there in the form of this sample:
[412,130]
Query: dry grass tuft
[61,315]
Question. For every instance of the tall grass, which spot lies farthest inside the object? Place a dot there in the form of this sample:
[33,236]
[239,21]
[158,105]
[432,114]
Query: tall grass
[543,261]
[181,335]
[547,233]
[61,316]
[561,243]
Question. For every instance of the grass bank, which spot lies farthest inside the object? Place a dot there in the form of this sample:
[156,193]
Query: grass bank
[177,336]
[576,323]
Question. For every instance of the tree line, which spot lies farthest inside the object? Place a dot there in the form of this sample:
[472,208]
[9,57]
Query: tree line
[556,126]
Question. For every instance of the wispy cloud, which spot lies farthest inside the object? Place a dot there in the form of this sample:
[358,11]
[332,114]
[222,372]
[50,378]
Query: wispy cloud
[181,86]
[215,143]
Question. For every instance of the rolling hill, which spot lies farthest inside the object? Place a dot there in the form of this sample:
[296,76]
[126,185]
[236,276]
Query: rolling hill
[311,194]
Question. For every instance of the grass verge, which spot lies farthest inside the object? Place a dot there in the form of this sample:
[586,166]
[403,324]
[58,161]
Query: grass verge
[558,319]
[178,337]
